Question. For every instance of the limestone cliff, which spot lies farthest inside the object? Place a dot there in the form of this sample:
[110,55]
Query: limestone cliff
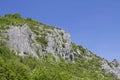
[27,37]
[111,67]
[25,41]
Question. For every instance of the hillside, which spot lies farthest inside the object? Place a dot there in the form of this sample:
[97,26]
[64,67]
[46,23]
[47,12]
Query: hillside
[30,50]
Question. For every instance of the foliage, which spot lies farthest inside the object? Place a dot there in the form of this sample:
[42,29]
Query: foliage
[2,42]
[63,45]
[16,16]
[74,46]
[42,40]
[61,33]
[17,20]
[10,66]
[13,67]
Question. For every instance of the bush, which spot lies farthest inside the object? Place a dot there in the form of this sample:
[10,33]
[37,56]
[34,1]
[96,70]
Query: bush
[15,16]
[42,40]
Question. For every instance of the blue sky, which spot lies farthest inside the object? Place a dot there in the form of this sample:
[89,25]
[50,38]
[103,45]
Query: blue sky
[95,24]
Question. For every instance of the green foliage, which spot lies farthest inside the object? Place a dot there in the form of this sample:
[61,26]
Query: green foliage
[13,67]
[48,27]
[74,46]
[16,16]
[42,40]
[2,42]
[5,53]
[61,33]
[63,45]
[17,20]
[10,66]
[80,48]
[11,70]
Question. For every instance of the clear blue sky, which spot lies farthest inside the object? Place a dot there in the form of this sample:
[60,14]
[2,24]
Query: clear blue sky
[95,24]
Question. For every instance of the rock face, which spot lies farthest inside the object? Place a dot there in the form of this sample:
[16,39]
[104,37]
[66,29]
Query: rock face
[39,42]
[113,67]
[59,42]
[20,40]
[32,38]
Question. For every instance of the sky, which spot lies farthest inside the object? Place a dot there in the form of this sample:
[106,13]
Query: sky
[94,24]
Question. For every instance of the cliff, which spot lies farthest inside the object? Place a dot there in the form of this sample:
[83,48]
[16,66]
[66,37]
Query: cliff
[25,37]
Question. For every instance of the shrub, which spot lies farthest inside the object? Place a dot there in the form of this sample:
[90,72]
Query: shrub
[42,40]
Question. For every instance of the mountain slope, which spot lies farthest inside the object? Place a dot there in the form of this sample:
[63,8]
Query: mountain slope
[38,38]
[30,50]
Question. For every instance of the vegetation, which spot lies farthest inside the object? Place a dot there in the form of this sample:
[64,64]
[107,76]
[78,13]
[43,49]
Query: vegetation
[16,20]
[42,40]
[13,67]
[63,45]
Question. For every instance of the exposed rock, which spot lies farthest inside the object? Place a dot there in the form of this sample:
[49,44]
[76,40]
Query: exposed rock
[39,39]
[25,42]
[111,67]
[20,40]
[59,42]
[115,63]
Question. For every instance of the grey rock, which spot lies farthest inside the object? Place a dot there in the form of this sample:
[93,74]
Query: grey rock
[115,62]
[20,40]
[23,41]
[60,44]
[111,67]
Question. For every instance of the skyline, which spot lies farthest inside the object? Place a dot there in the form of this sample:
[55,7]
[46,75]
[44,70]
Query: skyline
[92,24]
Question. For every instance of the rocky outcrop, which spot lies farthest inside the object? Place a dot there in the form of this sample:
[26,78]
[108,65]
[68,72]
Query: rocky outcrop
[42,40]
[32,38]
[25,41]
[20,40]
[113,67]
[59,42]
